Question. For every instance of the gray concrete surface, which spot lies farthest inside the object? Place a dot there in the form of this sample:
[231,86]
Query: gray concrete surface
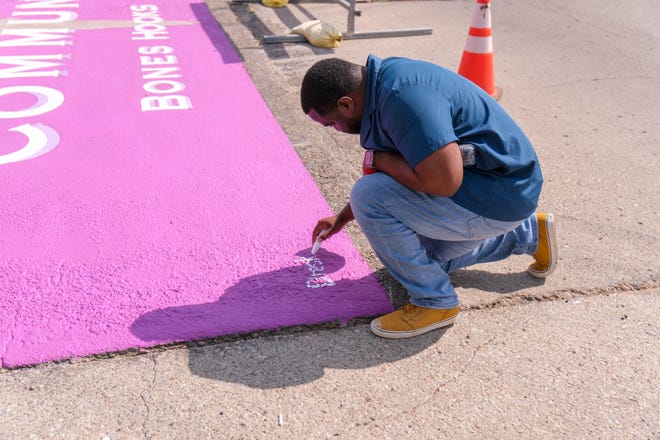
[581,368]
[576,356]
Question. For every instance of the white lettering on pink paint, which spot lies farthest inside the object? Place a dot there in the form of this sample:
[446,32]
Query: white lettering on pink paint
[36,37]
[317,276]
[40,137]
[159,64]
[40,140]
[48,99]
[40,4]
[145,17]
[31,66]
[57,17]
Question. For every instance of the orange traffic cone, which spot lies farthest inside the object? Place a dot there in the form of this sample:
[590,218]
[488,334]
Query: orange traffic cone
[477,61]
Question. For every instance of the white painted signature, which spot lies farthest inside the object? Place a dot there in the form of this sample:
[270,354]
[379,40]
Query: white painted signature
[317,278]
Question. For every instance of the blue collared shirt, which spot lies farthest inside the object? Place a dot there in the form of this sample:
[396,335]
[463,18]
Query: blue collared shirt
[415,108]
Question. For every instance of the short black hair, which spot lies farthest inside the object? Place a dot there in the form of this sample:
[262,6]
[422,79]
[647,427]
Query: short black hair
[327,81]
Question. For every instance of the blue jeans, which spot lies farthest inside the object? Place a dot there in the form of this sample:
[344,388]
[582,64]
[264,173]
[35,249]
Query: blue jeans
[420,238]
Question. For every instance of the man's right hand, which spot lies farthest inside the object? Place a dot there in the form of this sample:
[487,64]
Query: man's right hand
[325,224]
[333,224]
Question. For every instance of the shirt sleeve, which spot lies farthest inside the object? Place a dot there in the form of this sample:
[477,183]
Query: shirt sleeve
[418,120]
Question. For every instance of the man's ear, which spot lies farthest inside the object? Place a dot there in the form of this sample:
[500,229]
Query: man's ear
[346,105]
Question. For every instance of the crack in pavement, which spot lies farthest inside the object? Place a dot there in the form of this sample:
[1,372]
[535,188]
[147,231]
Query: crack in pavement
[439,388]
[615,228]
[144,395]
[504,301]
[566,294]
[511,301]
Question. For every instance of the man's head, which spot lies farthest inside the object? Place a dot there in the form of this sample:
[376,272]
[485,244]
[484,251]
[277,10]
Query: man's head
[332,94]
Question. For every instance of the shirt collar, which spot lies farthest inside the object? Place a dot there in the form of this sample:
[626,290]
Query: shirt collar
[373,67]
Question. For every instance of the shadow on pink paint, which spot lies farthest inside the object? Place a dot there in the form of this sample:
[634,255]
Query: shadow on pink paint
[274,299]
[215,33]
[296,295]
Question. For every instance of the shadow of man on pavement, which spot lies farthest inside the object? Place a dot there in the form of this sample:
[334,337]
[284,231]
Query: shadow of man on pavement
[301,294]
[296,359]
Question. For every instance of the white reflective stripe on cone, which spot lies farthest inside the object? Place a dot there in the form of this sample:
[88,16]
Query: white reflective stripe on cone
[479,44]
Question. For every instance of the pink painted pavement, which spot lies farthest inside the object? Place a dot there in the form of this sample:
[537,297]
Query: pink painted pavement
[147,194]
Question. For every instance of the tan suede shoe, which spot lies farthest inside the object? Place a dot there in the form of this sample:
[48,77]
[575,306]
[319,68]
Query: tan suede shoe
[411,320]
[547,252]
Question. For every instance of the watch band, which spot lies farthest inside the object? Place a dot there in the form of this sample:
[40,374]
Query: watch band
[368,162]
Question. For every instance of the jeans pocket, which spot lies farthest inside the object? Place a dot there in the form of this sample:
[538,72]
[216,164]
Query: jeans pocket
[481,227]
[473,225]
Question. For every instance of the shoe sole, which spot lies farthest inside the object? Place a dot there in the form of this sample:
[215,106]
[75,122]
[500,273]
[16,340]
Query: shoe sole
[552,242]
[375,329]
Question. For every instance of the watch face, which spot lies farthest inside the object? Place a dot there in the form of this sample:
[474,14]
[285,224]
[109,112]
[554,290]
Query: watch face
[369,158]
[368,163]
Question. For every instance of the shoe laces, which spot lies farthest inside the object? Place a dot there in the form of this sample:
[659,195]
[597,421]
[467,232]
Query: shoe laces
[410,310]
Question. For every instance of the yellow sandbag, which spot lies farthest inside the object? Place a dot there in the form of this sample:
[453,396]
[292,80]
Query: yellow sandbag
[275,3]
[319,34]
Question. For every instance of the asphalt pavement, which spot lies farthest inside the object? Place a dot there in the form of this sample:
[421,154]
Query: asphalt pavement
[574,356]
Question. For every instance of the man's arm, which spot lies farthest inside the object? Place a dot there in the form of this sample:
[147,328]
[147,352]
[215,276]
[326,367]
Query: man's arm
[333,224]
[440,173]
